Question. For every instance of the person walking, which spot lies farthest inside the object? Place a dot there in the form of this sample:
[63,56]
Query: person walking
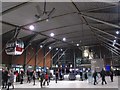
[95,76]
[103,77]
[41,79]
[21,77]
[56,76]
[111,75]
[81,75]
[34,77]
[46,79]
[4,78]
[28,76]
[10,79]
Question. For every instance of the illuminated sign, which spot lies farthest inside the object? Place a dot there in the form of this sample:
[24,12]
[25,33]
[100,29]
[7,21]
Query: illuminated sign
[15,47]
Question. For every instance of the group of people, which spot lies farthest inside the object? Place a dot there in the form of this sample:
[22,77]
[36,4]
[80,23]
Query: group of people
[43,77]
[10,76]
[7,79]
[103,75]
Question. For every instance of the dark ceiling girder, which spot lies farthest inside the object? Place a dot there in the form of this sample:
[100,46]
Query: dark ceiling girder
[14,8]
[10,24]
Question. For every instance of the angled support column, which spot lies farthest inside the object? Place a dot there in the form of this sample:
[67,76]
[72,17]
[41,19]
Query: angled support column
[53,57]
[104,32]
[109,44]
[44,64]
[60,56]
[100,21]
[44,58]
[35,54]
[106,39]
[110,50]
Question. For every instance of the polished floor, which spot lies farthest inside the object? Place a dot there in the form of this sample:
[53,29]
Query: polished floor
[71,84]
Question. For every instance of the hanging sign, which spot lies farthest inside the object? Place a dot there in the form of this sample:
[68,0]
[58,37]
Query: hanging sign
[15,47]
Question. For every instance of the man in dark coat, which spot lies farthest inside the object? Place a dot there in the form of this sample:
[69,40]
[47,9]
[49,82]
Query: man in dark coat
[103,77]
[21,77]
[95,76]
[56,76]
[4,78]
[41,79]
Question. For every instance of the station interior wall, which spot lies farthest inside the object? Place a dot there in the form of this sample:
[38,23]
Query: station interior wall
[9,59]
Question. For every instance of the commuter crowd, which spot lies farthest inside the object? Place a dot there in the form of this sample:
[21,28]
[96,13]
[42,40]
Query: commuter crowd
[9,77]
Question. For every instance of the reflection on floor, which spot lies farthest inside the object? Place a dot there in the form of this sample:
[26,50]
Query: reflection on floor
[71,84]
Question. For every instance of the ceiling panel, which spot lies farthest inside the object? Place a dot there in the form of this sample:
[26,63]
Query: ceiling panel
[69,30]
[104,16]
[19,15]
[57,22]
[6,28]
[83,6]
[7,5]
[68,25]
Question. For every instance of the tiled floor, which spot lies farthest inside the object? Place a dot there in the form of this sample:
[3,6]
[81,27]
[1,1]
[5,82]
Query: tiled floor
[71,84]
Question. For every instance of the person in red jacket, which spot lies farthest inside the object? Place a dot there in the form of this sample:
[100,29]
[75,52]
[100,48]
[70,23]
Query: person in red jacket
[46,79]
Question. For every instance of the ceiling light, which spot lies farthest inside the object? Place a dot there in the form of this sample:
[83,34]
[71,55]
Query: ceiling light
[56,48]
[115,37]
[56,66]
[77,44]
[64,39]
[49,47]
[117,32]
[61,49]
[113,44]
[52,34]
[47,19]
[31,27]
[41,46]
[114,41]
[40,19]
